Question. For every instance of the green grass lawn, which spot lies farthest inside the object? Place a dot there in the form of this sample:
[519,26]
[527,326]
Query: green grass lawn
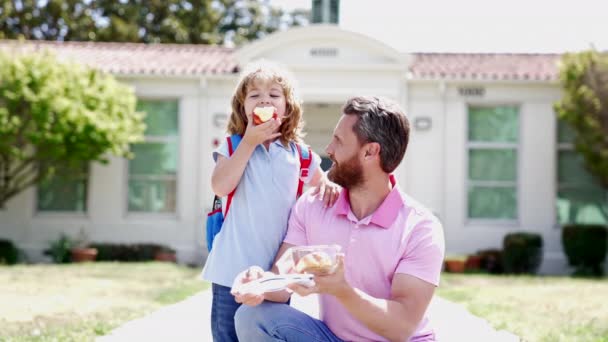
[535,308]
[78,302]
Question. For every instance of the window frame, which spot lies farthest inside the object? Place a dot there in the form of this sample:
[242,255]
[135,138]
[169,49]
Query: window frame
[146,215]
[66,213]
[517,146]
[561,147]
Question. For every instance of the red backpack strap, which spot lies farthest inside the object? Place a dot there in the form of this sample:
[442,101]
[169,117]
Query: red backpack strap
[233,143]
[305,155]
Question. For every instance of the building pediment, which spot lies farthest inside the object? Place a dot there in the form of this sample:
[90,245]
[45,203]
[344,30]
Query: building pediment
[323,46]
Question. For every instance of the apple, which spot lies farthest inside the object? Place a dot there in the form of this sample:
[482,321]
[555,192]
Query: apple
[263,114]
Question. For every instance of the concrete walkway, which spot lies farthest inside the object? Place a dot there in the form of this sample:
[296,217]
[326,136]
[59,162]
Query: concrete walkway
[189,321]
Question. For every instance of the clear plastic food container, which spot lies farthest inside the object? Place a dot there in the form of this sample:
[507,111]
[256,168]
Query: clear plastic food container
[315,259]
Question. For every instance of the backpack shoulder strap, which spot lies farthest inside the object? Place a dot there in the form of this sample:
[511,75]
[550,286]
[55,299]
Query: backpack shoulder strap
[233,142]
[305,155]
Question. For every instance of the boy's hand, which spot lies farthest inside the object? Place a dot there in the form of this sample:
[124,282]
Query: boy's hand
[255,135]
[328,191]
[248,298]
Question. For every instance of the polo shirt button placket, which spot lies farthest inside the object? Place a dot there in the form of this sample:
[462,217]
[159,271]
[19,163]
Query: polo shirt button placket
[354,231]
[351,239]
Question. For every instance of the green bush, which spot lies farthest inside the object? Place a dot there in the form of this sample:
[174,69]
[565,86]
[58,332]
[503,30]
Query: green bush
[126,252]
[522,252]
[60,250]
[491,260]
[8,252]
[585,246]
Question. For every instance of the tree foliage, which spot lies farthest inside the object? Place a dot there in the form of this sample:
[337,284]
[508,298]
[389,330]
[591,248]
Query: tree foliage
[55,117]
[584,107]
[147,21]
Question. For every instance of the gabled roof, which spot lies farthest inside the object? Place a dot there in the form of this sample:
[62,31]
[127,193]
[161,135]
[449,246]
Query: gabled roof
[198,60]
[485,66]
[135,58]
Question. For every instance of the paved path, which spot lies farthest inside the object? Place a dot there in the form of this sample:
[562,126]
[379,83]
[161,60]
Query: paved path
[189,321]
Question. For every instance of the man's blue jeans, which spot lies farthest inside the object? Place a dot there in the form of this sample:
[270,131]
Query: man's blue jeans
[223,308]
[279,322]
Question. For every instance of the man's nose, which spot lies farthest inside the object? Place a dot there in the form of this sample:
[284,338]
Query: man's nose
[328,150]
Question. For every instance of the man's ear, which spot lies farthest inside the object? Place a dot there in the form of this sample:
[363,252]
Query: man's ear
[372,150]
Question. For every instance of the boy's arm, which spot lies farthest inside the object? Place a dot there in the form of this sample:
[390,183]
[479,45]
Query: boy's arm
[228,171]
[327,189]
[317,177]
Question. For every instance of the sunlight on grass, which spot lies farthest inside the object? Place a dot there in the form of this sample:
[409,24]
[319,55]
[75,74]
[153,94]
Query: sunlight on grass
[77,302]
[178,292]
[535,308]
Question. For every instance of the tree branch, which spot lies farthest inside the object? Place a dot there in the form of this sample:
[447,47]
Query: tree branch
[17,189]
[601,90]
[27,117]
[18,169]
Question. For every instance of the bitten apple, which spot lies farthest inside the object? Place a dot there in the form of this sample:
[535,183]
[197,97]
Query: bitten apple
[263,114]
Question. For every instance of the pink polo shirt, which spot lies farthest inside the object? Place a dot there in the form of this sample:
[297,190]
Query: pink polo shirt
[401,236]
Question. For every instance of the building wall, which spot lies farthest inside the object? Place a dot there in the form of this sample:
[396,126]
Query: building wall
[437,159]
[320,118]
[434,171]
[107,219]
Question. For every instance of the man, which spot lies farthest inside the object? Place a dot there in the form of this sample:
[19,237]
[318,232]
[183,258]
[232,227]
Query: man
[393,247]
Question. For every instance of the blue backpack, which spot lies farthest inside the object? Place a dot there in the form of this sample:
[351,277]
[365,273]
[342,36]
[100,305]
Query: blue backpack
[215,218]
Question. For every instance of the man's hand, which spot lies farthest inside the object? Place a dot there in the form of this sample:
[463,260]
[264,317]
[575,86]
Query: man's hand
[333,284]
[248,298]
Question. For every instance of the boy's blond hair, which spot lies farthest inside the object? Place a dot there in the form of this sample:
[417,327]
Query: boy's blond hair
[265,71]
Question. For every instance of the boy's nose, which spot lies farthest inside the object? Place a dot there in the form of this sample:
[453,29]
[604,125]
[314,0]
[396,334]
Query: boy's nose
[264,100]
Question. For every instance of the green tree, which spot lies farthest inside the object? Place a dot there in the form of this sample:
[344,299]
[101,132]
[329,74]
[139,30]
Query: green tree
[50,20]
[55,117]
[584,107]
[148,21]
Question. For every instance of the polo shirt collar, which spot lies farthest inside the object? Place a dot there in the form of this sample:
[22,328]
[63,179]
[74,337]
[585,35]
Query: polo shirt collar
[280,144]
[386,213]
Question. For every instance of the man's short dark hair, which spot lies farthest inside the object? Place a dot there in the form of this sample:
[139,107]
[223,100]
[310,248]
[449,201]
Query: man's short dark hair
[381,121]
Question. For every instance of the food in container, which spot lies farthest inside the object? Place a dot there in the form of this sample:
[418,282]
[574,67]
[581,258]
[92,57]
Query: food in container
[315,259]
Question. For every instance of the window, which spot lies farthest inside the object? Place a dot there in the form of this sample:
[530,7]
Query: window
[334,11]
[153,170]
[65,193]
[580,198]
[325,11]
[493,142]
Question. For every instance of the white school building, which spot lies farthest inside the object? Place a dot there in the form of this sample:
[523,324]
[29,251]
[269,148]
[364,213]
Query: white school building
[486,152]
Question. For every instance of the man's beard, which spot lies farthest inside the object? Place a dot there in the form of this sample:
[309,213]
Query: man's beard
[348,174]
